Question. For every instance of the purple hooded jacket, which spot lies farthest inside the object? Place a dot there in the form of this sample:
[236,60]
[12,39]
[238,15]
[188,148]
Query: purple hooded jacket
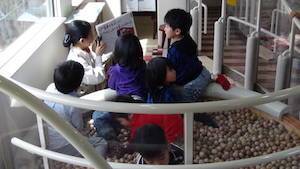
[127,81]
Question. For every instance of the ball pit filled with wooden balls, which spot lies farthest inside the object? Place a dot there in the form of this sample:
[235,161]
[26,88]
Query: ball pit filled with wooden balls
[242,133]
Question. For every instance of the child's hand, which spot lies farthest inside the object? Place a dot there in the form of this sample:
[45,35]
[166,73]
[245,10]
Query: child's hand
[100,47]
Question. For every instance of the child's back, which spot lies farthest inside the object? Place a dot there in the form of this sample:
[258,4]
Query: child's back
[126,75]
[184,57]
[183,51]
[67,79]
[70,114]
[126,80]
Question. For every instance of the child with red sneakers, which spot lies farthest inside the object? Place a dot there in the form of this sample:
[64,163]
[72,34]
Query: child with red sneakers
[183,55]
[161,77]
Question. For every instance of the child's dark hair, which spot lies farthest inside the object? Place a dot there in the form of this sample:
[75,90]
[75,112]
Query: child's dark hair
[74,31]
[126,99]
[128,52]
[156,72]
[68,76]
[150,141]
[179,18]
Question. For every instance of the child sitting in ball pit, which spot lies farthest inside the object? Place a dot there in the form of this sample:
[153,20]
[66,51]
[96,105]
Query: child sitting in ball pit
[172,124]
[153,148]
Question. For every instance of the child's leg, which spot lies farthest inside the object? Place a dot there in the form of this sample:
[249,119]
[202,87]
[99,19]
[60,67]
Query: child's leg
[102,123]
[195,88]
[100,145]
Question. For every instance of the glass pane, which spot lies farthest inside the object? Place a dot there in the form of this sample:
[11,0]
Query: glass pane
[17,16]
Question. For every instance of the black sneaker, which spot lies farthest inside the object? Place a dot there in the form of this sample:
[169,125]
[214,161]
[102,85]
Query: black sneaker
[206,119]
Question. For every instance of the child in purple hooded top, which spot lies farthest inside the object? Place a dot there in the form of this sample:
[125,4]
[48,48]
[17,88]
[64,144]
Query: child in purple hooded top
[126,76]
[127,73]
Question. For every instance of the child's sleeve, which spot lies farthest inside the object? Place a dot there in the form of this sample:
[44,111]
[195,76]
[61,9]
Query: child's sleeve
[98,60]
[172,56]
[76,118]
[92,75]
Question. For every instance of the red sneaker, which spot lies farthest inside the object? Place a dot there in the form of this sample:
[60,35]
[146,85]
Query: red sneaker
[223,81]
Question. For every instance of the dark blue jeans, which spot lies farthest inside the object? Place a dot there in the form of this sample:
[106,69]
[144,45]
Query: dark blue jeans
[105,125]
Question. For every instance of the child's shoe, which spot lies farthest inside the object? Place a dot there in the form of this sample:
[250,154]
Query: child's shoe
[206,119]
[223,81]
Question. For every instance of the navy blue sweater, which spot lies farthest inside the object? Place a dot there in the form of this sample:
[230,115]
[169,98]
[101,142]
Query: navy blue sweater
[183,55]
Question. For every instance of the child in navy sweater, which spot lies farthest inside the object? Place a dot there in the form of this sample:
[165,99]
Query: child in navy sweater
[183,56]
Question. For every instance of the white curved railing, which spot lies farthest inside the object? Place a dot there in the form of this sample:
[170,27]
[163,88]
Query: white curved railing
[46,113]
[220,165]
[164,108]
[76,139]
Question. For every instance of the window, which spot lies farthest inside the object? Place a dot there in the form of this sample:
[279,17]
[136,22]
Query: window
[16,16]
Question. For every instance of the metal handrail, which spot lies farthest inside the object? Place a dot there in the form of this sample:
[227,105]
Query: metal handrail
[219,165]
[233,18]
[286,5]
[275,11]
[204,6]
[246,17]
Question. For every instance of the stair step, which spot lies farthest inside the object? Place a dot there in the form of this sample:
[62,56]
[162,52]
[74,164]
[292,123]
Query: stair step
[211,37]
[261,69]
[232,43]
[239,48]
[235,53]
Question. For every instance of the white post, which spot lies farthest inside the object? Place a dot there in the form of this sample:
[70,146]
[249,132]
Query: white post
[199,25]
[282,70]
[42,137]
[205,18]
[258,24]
[293,102]
[223,12]
[251,61]
[247,11]
[194,27]
[218,51]
[241,5]
[228,31]
[252,14]
[291,49]
[188,137]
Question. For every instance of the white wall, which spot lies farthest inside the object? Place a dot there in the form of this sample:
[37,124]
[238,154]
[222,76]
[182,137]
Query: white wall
[112,9]
[35,71]
[163,6]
